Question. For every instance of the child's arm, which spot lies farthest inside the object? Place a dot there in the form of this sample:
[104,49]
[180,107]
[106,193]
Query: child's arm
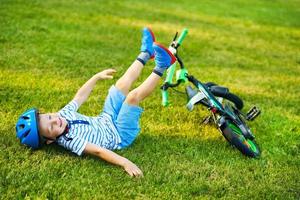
[84,92]
[113,158]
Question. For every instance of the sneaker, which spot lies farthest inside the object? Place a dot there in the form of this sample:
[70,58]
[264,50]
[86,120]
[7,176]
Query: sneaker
[163,57]
[147,41]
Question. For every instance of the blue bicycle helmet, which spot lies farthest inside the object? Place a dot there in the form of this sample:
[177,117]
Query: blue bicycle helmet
[27,129]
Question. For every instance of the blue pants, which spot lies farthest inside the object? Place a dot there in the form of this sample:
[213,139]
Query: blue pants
[125,117]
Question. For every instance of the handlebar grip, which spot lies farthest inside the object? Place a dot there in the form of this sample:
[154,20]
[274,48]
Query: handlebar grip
[182,36]
[165,98]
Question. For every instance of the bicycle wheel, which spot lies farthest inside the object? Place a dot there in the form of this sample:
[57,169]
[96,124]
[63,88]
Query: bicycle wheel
[219,91]
[209,84]
[239,104]
[234,136]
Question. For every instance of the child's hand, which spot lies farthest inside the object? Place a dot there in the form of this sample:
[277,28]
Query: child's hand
[132,169]
[105,74]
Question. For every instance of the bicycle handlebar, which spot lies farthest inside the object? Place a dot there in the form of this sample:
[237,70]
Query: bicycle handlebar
[171,70]
[182,36]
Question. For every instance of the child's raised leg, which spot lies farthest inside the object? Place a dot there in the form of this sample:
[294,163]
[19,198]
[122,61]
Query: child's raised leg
[125,82]
[163,59]
[127,121]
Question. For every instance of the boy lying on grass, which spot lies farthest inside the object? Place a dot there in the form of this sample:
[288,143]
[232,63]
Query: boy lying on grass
[116,127]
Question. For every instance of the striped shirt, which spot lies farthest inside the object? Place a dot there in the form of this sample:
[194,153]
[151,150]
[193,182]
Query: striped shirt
[99,130]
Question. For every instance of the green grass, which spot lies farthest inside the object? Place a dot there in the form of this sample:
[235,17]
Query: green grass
[48,49]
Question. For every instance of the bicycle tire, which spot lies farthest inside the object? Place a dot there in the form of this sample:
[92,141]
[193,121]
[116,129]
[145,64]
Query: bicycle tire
[209,84]
[234,136]
[236,100]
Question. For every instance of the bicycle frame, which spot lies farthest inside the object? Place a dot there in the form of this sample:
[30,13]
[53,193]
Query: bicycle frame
[228,119]
[182,76]
[214,105]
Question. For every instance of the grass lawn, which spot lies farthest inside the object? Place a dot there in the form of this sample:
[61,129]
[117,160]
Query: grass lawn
[49,48]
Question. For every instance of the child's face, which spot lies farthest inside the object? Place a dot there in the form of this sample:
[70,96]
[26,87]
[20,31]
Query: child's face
[51,125]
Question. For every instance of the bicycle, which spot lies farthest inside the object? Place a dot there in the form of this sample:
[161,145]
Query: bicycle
[226,115]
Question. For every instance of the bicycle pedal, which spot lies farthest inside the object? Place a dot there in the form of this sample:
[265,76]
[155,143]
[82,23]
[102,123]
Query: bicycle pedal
[252,113]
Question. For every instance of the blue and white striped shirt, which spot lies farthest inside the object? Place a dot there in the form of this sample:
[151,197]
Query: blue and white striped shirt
[100,130]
